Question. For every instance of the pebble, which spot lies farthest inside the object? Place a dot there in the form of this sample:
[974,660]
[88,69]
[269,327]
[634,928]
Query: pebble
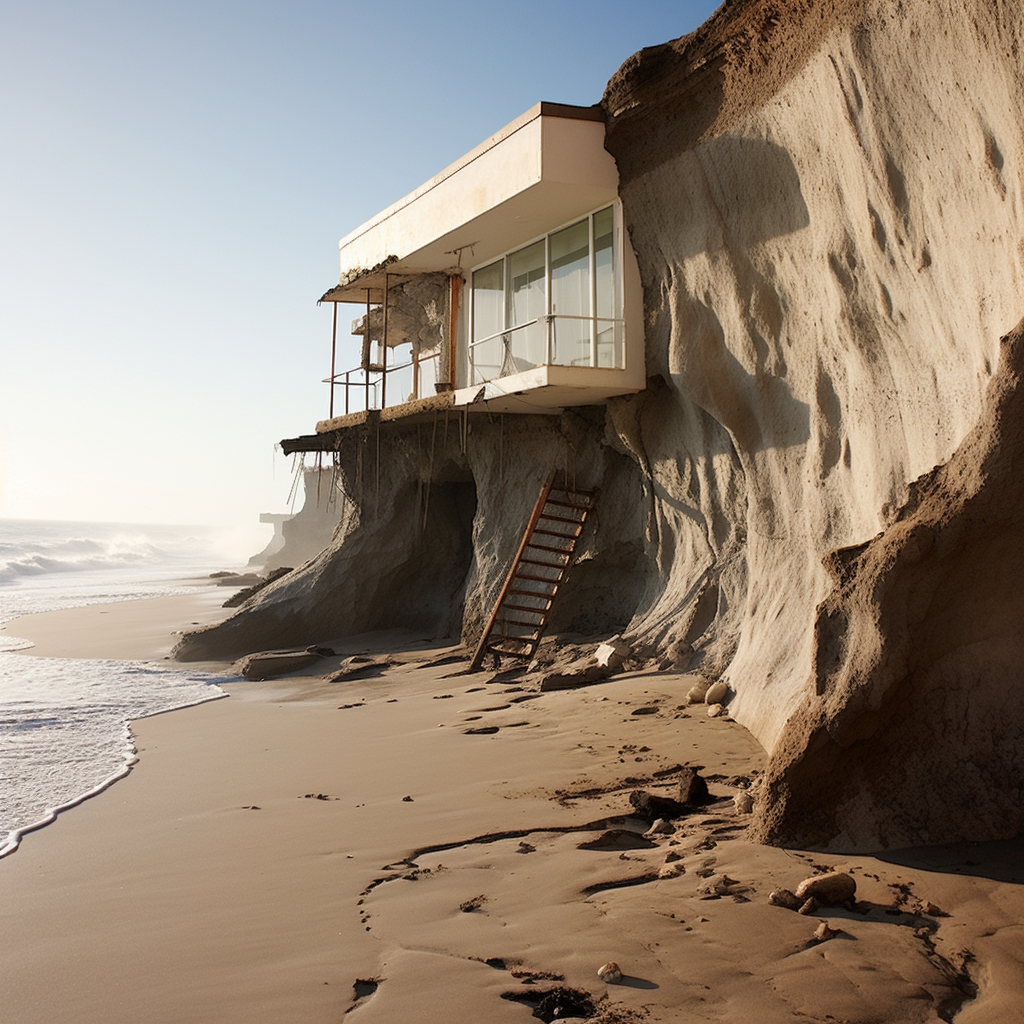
[830,890]
[715,711]
[716,693]
[660,828]
[697,692]
[610,972]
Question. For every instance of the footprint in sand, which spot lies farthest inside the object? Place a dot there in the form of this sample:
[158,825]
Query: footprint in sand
[363,988]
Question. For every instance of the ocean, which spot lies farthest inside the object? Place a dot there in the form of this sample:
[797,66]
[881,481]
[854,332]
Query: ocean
[64,723]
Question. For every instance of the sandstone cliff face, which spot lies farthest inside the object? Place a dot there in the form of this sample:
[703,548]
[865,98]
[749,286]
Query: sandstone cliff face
[915,727]
[825,199]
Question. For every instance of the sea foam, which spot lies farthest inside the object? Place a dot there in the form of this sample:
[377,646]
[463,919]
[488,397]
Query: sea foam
[64,732]
[64,723]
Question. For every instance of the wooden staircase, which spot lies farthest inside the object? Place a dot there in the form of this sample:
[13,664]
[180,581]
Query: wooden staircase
[545,555]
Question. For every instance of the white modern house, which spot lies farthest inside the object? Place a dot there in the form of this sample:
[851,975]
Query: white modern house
[504,283]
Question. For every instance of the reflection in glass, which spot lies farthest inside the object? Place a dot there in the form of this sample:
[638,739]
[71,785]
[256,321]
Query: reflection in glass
[555,301]
[527,301]
[570,294]
[609,335]
[488,319]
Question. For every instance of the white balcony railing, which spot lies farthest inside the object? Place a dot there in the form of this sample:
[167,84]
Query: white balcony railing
[550,340]
[385,384]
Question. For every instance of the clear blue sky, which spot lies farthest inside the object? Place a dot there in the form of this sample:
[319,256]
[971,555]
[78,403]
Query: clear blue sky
[175,177]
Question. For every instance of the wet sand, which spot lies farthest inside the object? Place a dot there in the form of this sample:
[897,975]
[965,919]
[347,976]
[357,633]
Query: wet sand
[307,849]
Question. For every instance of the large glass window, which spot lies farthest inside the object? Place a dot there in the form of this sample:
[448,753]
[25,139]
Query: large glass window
[609,332]
[570,294]
[527,304]
[554,301]
[488,319]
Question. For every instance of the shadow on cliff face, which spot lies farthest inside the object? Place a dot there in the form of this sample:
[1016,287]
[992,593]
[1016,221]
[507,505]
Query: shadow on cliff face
[732,193]
[917,668]
[427,590]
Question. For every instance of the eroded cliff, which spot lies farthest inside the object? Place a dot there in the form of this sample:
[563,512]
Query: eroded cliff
[825,202]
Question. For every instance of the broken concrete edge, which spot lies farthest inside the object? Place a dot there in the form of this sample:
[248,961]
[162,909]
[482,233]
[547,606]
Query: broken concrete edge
[429,403]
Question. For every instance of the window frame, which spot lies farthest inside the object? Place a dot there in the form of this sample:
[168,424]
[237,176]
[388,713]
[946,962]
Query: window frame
[618,352]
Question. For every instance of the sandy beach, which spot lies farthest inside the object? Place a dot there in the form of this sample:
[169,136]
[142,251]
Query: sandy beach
[306,849]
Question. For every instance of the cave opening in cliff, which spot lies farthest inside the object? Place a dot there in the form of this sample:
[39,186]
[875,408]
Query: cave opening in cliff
[429,587]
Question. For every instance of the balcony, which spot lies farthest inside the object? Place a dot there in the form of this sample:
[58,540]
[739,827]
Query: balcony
[506,283]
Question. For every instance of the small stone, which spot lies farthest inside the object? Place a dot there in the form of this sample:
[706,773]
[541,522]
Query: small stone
[833,889]
[671,857]
[715,710]
[716,693]
[652,807]
[693,790]
[406,799]
[616,839]
[823,932]
[613,654]
[697,692]
[784,898]
[610,973]
[661,827]
[743,803]
[668,871]
[474,904]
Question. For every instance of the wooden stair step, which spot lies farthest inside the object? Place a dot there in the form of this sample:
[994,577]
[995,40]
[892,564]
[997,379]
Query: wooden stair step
[530,608]
[562,519]
[547,565]
[567,534]
[538,579]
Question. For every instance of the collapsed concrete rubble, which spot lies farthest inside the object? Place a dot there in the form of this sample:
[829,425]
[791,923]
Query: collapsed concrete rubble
[813,500]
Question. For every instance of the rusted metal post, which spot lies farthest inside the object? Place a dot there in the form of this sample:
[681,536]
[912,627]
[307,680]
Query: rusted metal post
[367,361]
[455,297]
[334,359]
[592,267]
[384,347]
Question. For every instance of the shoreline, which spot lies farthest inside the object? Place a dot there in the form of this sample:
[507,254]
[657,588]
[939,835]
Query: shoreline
[132,633]
[143,629]
[304,849]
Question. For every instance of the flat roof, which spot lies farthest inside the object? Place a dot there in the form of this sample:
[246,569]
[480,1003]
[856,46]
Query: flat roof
[545,168]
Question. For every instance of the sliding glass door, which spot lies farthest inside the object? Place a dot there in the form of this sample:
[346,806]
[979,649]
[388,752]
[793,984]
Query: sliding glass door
[554,301]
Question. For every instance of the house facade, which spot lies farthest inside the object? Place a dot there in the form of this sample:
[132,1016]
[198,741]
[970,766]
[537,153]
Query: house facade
[505,283]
